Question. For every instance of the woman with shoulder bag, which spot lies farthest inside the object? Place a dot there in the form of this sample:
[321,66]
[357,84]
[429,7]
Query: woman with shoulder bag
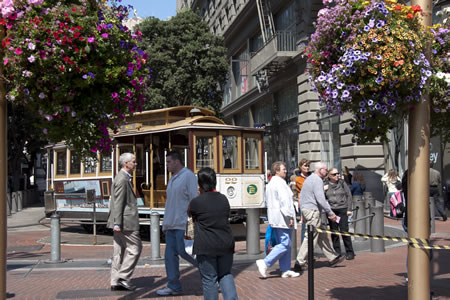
[340,199]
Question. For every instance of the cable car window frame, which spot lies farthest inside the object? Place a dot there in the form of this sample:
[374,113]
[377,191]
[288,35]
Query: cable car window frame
[238,135]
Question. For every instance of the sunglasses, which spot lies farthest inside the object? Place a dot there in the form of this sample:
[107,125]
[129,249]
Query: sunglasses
[334,174]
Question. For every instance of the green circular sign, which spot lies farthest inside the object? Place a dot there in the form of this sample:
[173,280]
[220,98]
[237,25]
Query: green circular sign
[252,189]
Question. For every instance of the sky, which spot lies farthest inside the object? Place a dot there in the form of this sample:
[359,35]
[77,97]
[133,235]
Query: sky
[161,9]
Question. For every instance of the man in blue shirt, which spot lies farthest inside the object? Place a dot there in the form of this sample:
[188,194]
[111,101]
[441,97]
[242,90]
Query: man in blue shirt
[181,189]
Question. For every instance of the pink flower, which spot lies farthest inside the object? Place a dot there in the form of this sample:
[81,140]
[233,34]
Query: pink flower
[91,39]
[18,51]
[5,61]
[104,35]
[35,2]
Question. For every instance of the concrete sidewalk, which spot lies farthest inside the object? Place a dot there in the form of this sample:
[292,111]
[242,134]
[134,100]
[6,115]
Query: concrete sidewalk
[85,274]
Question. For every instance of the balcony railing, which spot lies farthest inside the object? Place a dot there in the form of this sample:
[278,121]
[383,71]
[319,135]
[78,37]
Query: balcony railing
[280,48]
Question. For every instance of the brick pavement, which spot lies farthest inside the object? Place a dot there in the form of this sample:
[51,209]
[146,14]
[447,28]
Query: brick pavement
[369,276]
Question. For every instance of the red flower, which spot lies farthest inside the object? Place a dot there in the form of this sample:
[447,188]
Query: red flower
[61,68]
[416,8]
[409,16]
[398,7]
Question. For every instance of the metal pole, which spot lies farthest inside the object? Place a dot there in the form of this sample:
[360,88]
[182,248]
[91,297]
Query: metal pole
[154,236]
[432,215]
[418,183]
[3,173]
[294,244]
[55,254]
[20,200]
[367,206]
[310,262]
[8,204]
[377,228]
[253,231]
[94,223]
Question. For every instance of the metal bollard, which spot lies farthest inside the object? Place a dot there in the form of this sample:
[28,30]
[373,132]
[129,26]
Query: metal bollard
[253,231]
[432,216]
[8,204]
[367,195]
[19,200]
[360,226]
[55,254]
[294,244]
[368,203]
[377,228]
[155,236]
[13,202]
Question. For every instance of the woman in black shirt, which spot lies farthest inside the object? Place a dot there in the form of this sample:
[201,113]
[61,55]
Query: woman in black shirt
[213,238]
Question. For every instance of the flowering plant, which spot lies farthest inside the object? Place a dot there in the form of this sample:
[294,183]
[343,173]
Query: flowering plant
[367,58]
[439,83]
[76,65]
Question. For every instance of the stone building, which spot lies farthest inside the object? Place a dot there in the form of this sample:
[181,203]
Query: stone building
[268,86]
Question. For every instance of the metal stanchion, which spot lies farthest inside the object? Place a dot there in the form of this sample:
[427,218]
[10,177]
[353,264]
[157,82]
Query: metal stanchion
[432,216]
[8,204]
[360,226]
[294,244]
[19,200]
[13,202]
[154,236]
[377,228]
[253,231]
[310,262]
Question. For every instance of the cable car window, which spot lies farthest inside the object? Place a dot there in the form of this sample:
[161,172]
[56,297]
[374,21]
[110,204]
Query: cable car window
[90,165]
[252,153]
[61,163]
[230,152]
[204,157]
[75,163]
[105,163]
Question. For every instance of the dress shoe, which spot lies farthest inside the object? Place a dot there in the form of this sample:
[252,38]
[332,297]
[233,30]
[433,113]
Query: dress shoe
[336,261]
[444,218]
[350,256]
[117,288]
[126,285]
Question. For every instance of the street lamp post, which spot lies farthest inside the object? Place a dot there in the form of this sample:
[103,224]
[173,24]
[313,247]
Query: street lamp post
[418,184]
[3,174]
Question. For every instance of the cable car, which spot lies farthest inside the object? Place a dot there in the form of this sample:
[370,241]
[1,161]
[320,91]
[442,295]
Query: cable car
[234,152]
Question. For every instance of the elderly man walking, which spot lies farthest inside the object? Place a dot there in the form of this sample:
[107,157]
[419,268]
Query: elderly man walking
[312,204]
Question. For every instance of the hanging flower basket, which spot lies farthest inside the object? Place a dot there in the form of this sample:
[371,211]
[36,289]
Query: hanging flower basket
[76,65]
[367,58]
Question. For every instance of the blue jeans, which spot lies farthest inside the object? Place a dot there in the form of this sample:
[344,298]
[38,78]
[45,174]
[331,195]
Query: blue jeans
[282,250]
[215,269]
[175,247]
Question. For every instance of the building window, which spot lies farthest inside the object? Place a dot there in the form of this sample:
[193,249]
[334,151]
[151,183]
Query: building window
[241,71]
[287,103]
[330,141]
[227,90]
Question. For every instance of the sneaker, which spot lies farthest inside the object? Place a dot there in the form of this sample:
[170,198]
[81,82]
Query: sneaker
[262,267]
[336,261]
[300,267]
[167,292]
[289,274]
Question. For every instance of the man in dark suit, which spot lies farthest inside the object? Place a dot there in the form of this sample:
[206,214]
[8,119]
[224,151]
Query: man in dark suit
[124,220]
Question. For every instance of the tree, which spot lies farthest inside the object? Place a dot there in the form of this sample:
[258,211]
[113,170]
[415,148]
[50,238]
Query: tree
[24,140]
[188,62]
